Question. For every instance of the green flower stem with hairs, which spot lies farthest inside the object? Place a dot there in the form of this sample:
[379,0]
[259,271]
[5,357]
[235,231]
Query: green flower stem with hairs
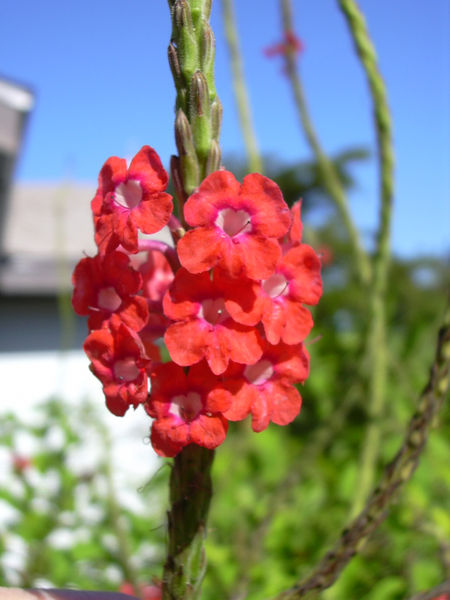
[376,348]
[240,90]
[330,178]
[197,128]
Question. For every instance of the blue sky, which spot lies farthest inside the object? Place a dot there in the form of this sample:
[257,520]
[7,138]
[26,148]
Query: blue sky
[103,87]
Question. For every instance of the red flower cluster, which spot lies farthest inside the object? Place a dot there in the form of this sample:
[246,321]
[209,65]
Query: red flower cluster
[229,303]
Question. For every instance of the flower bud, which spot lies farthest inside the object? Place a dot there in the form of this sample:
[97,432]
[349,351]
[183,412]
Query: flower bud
[207,53]
[174,65]
[182,18]
[200,115]
[184,33]
[214,157]
[216,118]
[186,149]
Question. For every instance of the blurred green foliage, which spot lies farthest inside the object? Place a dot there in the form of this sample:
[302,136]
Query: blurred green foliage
[282,496]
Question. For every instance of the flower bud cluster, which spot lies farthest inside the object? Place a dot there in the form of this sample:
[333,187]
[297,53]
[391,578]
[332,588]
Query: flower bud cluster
[229,303]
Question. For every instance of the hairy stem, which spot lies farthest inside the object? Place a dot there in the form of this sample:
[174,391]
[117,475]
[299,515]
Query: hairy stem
[327,170]
[240,89]
[190,495]
[197,129]
[396,474]
[376,349]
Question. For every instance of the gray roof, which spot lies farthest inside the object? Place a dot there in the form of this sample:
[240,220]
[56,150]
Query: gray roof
[48,228]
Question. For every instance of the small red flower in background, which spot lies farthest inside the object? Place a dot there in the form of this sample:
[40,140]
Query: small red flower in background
[291,43]
[235,226]
[21,463]
[326,255]
[145,592]
[130,199]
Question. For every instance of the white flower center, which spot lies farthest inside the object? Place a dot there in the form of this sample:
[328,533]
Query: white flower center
[276,285]
[109,299]
[213,311]
[259,373]
[186,407]
[128,194]
[126,369]
[233,222]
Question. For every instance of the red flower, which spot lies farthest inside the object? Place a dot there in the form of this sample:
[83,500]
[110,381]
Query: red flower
[119,360]
[214,319]
[106,285]
[291,43]
[265,389]
[130,199]
[236,226]
[295,281]
[326,255]
[184,410]
[147,592]
[157,276]
[294,235]
[21,463]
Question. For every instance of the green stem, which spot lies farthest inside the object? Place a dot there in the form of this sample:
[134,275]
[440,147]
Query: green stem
[327,170]
[240,89]
[376,347]
[395,476]
[190,495]
[197,129]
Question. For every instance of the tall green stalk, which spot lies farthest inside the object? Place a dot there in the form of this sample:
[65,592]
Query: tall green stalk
[376,348]
[197,128]
[327,170]
[240,89]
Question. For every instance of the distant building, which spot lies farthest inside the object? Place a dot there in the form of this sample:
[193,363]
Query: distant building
[43,230]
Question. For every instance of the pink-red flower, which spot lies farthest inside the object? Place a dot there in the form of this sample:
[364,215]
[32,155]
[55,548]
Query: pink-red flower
[235,226]
[296,280]
[157,276]
[130,199]
[184,410]
[265,389]
[214,319]
[106,285]
[119,360]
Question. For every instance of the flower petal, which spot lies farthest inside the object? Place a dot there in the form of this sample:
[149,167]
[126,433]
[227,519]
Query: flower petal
[200,249]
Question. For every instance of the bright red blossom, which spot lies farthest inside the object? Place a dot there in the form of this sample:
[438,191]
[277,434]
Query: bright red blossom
[184,410]
[295,281]
[213,320]
[236,226]
[129,199]
[266,389]
[119,360]
[106,285]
